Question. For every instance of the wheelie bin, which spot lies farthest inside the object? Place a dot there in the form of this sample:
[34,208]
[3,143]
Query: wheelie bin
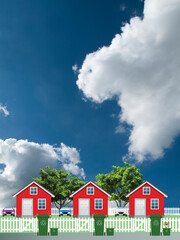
[166,231]
[155,224]
[110,231]
[99,224]
[54,231]
[43,224]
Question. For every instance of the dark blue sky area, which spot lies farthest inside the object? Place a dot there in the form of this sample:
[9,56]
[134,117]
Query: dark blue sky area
[40,41]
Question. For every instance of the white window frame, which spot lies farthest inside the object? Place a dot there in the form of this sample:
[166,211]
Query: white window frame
[90,193]
[147,193]
[151,203]
[38,204]
[34,193]
[95,203]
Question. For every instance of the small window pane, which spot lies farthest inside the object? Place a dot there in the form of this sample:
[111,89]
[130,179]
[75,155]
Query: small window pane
[154,203]
[90,190]
[98,203]
[146,190]
[33,190]
[41,203]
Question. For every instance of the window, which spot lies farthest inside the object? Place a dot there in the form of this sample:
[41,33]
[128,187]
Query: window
[90,190]
[98,203]
[154,203]
[33,190]
[146,190]
[41,203]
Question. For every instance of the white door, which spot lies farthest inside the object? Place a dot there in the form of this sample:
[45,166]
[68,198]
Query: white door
[140,207]
[27,207]
[83,207]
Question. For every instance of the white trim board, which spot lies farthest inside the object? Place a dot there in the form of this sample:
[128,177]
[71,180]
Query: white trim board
[146,193]
[88,184]
[95,203]
[33,182]
[45,204]
[143,185]
[34,193]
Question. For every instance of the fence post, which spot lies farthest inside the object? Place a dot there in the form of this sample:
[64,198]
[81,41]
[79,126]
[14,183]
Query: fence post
[80,224]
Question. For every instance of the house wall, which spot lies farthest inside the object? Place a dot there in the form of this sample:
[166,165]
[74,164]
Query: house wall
[97,194]
[26,194]
[153,194]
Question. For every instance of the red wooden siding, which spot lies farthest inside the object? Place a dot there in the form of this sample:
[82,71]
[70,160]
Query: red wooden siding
[97,194]
[41,194]
[154,194]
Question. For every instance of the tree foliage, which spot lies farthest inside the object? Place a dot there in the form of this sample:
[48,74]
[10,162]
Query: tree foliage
[119,182]
[60,183]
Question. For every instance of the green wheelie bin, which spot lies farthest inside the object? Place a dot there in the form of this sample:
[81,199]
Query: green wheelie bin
[99,224]
[43,224]
[155,224]
[110,231]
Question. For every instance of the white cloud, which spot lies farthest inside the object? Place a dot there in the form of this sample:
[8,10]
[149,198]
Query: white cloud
[70,159]
[23,161]
[75,69]
[122,7]
[141,69]
[4,110]
[120,129]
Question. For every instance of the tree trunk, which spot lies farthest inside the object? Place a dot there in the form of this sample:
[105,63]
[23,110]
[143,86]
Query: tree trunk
[125,204]
[117,203]
[61,204]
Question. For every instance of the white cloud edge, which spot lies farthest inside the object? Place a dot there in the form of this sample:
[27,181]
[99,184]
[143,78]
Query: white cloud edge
[4,110]
[75,69]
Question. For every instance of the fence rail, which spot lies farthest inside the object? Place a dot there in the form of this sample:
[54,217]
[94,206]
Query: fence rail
[70,224]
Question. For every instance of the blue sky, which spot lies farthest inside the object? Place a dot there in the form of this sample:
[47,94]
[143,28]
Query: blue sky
[83,118]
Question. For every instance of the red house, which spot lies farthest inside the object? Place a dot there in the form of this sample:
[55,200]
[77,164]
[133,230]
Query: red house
[90,199]
[146,200]
[33,199]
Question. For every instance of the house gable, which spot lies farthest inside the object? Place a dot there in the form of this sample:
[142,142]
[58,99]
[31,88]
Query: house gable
[90,184]
[146,184]
[34,184]
[137,198]
[37,201]
[92,194]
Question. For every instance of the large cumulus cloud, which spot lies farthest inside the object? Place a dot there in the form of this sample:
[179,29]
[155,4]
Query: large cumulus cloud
[21,161]
[141,68]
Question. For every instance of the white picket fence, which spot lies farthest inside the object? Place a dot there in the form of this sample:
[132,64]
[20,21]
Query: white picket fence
[70,224]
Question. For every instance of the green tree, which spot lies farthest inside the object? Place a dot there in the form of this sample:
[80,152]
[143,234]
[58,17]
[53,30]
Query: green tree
[60,183]
[119,182]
